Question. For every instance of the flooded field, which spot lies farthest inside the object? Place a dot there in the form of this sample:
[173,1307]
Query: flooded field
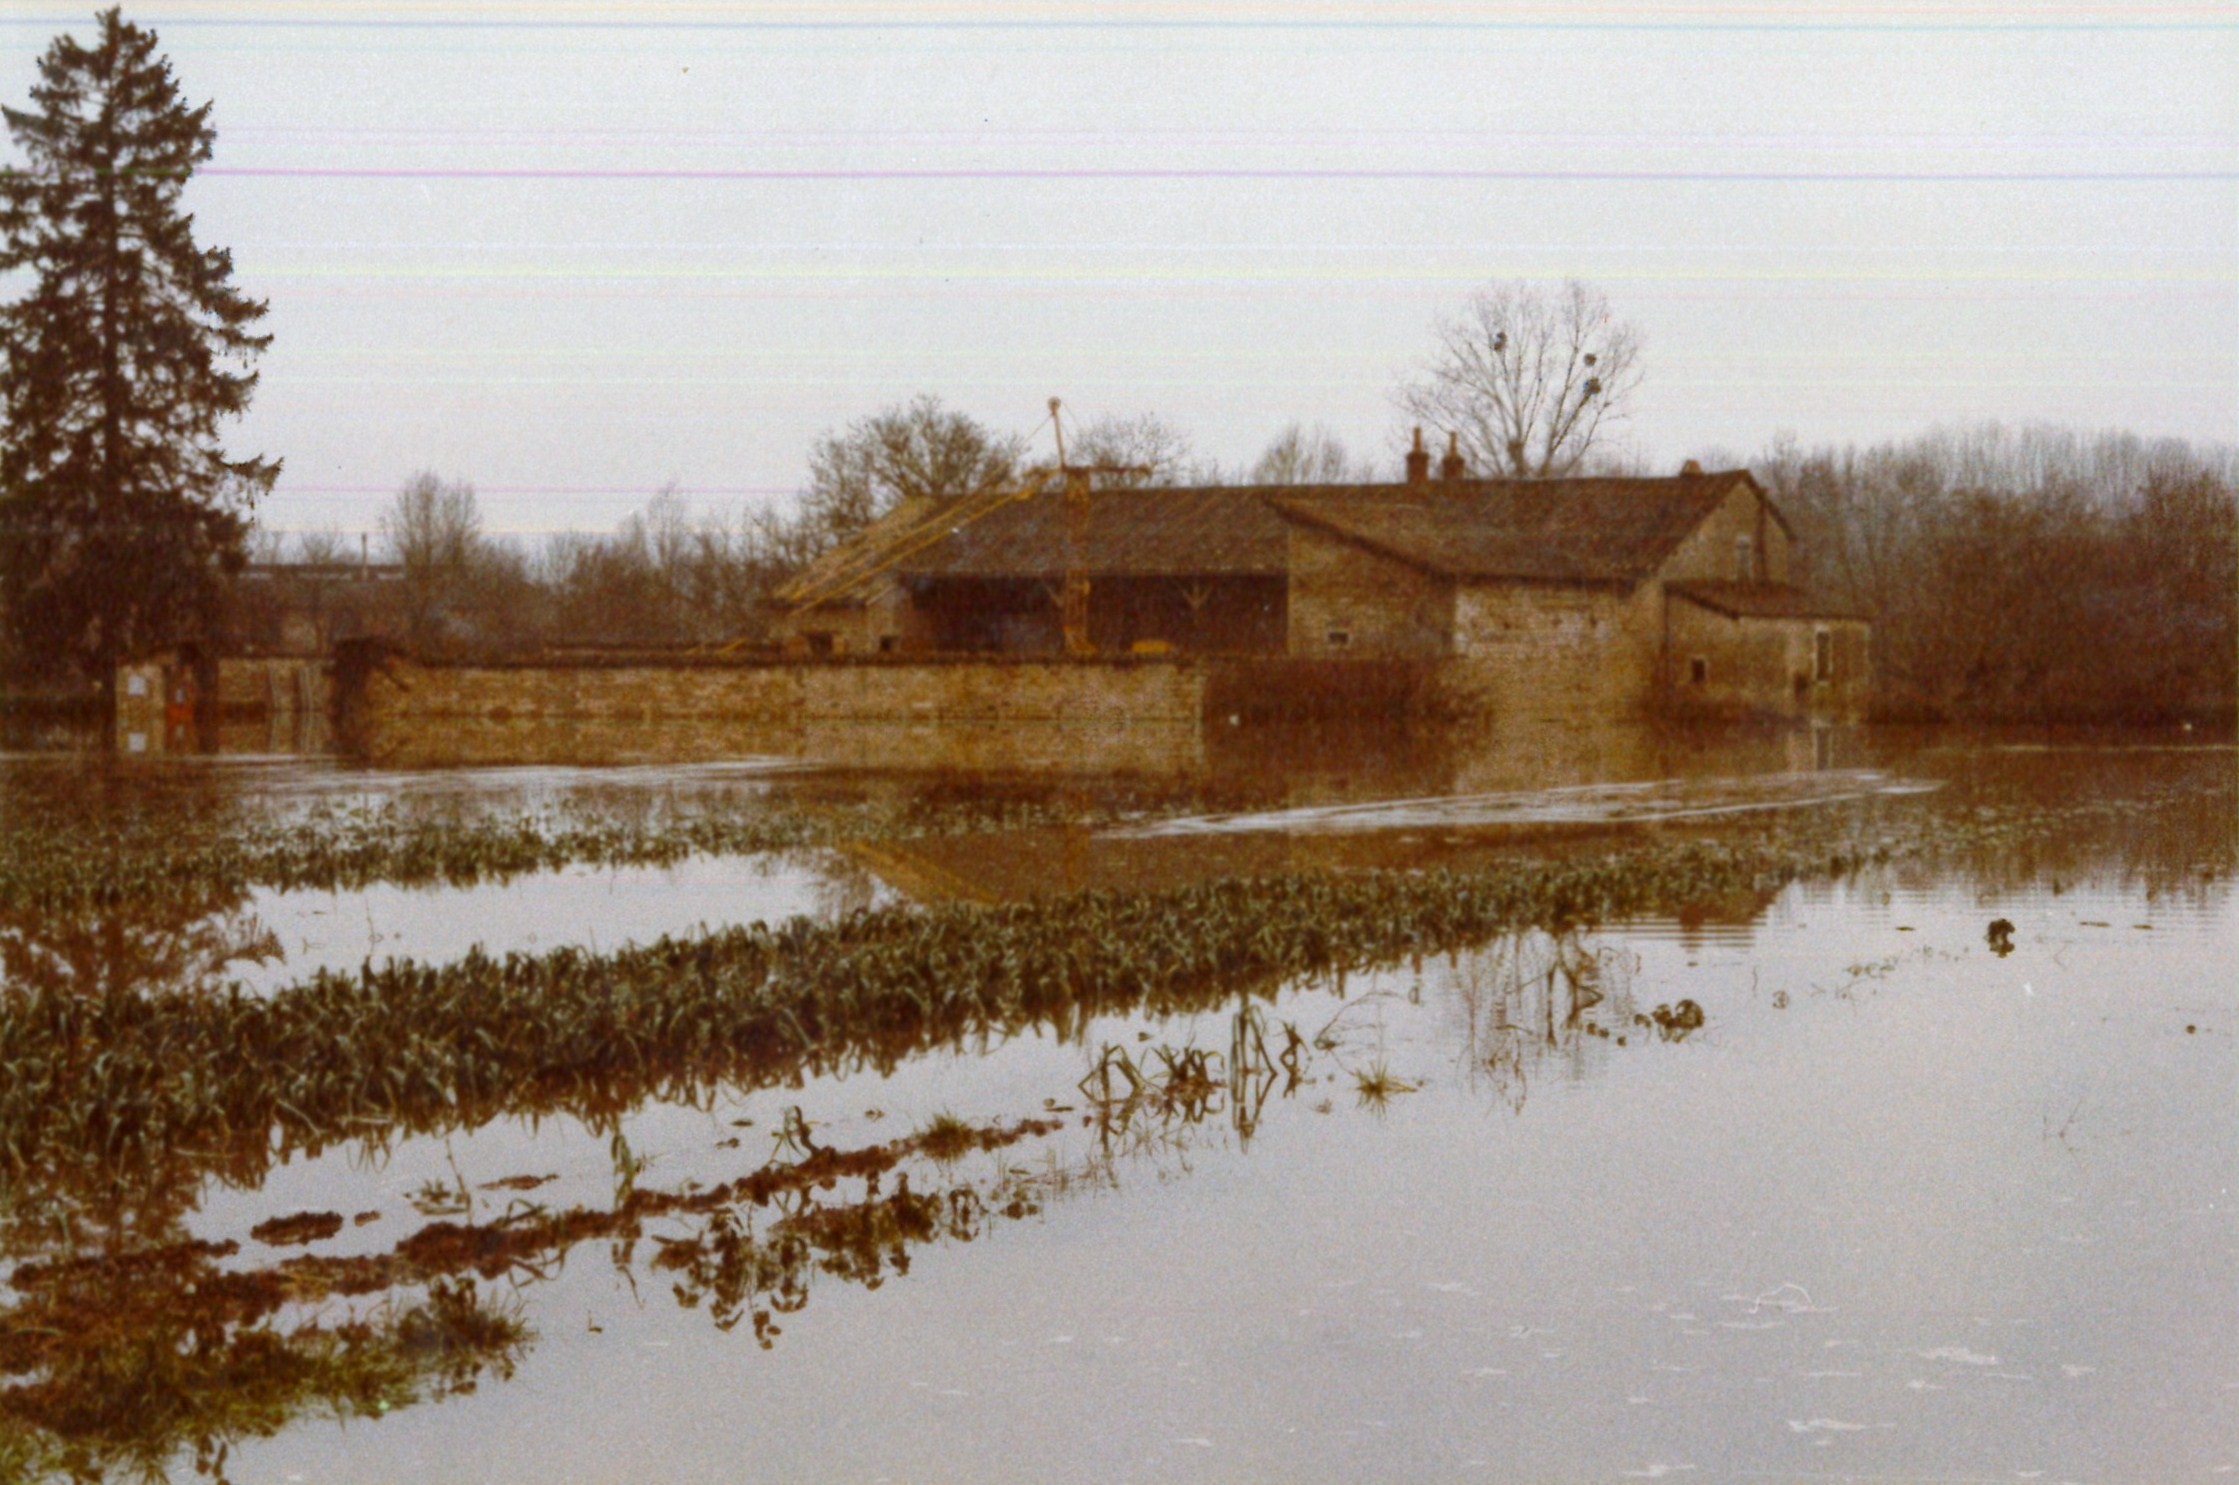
[1803,1106]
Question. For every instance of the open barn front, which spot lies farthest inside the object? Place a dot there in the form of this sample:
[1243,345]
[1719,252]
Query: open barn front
[1221,615]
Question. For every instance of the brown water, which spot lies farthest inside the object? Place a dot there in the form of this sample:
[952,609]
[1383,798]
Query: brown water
[1817,1184]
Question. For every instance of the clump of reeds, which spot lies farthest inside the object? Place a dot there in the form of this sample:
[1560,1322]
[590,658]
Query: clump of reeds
[946,1137]
[1376,1084]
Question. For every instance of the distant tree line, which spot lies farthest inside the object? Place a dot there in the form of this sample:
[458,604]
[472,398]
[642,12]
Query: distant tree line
[2031,574]
[665,578]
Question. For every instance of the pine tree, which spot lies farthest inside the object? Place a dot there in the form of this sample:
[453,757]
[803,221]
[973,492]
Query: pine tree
[127,349]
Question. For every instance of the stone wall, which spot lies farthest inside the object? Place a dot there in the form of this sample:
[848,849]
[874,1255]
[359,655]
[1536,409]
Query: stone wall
[1377,605]
[977,713]
[880,621]
[142,694]
[281,704]
[1549,651]
[1709,551]
[1765,667]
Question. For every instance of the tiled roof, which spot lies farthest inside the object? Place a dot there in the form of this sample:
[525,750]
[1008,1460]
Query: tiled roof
[1757,600]
[1574,530]
[1566,531]
[1216,530]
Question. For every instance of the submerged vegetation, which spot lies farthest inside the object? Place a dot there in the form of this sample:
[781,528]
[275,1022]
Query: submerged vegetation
[140,861]
[120,1078]
[427,1045]
[127,1345]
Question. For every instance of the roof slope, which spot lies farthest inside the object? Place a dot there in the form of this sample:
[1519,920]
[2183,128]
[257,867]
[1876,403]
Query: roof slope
[1573,530]
[1563,531]
[1156,532]
[1739,600]
[888,530]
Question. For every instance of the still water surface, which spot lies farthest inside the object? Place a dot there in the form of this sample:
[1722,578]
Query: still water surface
[1815,1183]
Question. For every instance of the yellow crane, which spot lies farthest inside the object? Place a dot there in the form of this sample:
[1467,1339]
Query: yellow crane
[863,562]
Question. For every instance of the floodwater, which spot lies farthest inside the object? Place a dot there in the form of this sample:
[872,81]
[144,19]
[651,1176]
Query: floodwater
[1829,1181]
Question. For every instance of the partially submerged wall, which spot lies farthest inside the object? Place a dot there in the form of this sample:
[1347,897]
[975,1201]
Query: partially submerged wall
[279,704]
[923,713]
[1543,652]
[1731,668]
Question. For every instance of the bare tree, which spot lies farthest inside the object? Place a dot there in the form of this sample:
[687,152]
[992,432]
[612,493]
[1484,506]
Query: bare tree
[2027,574]
[325,548]
[1146,442]
[1309,456]
[1528,378]
[433,528]
[912,451]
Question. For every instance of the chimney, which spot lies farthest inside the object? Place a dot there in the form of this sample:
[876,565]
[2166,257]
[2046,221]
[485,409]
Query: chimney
[1692,469]
[1418,462]
[1453,466]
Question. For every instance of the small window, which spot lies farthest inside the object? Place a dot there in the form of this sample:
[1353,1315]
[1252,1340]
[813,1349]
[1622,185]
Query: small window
[1823,656]
[1745,560]
[1698,671]
[1339,638]
[821,641]
[889,643]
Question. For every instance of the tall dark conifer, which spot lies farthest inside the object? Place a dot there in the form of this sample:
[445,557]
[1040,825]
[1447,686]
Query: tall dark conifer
[127,348]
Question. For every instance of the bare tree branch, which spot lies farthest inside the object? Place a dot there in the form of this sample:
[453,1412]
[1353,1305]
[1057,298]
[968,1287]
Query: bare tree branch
[1527,379]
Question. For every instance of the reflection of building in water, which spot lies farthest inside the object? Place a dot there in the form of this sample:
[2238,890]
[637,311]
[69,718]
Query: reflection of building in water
[1366,820]
[1150,748]
[1306,764]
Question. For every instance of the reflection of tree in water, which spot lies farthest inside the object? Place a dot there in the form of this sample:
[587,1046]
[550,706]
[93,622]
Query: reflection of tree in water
[94,951]
[2061,815]
[128,1359]
[103,960]
[120,1367]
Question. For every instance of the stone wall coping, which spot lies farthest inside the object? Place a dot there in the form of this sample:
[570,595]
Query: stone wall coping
[682,660]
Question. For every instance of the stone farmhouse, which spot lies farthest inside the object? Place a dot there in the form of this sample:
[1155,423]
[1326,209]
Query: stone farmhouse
[1603,597]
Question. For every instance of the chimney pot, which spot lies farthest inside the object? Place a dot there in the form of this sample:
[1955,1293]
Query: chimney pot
[1418,461]
[1691,468]
[1453,466]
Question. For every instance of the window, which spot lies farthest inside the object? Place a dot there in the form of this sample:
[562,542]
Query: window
[889,643]
[1698,671]
[1339,638]
[821,641]
[1823,656]
[1745,560]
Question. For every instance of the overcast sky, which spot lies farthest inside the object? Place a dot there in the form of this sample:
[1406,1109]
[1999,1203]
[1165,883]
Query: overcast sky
[572,255]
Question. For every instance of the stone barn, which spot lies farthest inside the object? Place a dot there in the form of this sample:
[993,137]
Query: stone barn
[1596,597]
